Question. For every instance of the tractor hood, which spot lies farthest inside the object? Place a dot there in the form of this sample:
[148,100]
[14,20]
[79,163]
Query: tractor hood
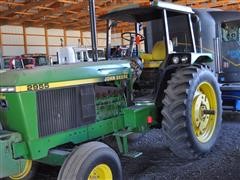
[67,75]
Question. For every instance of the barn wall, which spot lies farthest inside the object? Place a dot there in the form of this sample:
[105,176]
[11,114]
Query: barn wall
[18,40]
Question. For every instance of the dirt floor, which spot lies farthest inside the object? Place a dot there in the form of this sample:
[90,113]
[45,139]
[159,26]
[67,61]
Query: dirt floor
[157,162]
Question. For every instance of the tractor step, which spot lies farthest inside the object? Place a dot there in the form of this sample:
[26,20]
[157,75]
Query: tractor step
[122,142]
[122,133]
[133,154]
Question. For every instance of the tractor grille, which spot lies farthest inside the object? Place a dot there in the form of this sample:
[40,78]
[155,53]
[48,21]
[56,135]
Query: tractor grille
[63,109]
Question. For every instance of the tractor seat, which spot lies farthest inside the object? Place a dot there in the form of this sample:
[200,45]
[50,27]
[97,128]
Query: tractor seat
[158,55]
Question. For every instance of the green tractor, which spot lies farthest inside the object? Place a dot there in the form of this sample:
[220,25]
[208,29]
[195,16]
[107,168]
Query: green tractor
[58,115]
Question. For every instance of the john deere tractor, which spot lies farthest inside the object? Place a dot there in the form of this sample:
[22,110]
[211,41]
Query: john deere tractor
[58,115]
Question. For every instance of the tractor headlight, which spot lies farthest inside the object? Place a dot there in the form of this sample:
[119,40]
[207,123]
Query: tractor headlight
[175,59]
[184,59]
[3,89]
[7,89]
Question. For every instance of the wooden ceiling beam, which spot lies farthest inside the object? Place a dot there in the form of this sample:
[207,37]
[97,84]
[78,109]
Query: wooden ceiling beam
[68,1]
[24,13]
[3,17]
[43,7]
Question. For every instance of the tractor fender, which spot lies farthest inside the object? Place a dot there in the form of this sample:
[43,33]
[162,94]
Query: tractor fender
[201,58]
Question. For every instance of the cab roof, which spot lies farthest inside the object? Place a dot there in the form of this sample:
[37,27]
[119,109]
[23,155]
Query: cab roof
[138,13]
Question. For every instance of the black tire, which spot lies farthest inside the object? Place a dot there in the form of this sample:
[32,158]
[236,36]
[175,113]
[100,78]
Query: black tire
[80,163]
[177,112]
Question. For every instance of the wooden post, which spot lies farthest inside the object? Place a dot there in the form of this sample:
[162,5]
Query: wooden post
[81,37]
[1,44]
[65,37]
[122,42]
[46,40]
[1,50]
[25,40]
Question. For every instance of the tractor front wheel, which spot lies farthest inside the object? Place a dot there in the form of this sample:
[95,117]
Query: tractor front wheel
[28,171]
[192,112]
[92,161]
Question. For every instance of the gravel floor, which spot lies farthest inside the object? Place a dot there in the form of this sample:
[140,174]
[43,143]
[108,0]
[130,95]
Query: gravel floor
[158,162]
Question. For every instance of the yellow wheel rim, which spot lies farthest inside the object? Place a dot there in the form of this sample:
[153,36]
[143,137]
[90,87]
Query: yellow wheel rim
[101,172]
[26,170]
[204,112]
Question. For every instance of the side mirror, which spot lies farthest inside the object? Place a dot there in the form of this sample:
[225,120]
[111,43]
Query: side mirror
[113,24]
[195,18]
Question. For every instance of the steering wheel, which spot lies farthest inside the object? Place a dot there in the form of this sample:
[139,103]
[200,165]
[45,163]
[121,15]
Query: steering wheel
[131,35]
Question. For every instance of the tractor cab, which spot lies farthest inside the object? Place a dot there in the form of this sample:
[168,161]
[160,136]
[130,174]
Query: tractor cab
[155,41]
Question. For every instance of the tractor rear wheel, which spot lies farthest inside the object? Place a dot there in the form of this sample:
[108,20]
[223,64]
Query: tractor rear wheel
[92,161]
[192,111]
